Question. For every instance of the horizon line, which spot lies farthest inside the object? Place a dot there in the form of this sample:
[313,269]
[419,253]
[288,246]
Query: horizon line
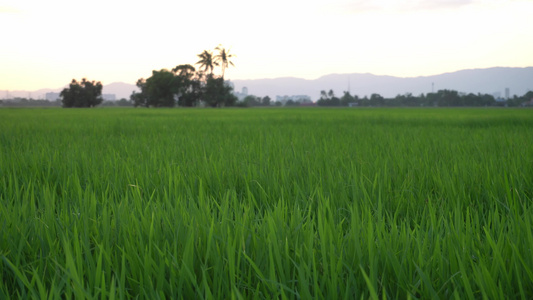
[301,78]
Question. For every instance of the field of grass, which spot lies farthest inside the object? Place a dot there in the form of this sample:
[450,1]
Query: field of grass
[266,203]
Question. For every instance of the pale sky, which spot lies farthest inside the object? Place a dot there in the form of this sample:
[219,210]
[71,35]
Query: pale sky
[45,44]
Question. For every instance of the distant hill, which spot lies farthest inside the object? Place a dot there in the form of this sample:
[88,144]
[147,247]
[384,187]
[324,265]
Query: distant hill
[487,81]
[120,89]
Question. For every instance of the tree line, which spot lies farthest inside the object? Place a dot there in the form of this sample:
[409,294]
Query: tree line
[442,98]
[30,102]
[187,86]
[184,85]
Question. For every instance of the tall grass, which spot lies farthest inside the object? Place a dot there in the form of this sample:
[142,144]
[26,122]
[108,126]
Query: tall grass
[266,203]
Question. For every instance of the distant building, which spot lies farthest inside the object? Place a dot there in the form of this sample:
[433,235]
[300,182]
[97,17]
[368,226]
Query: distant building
[52,96]
[507,93]
[242,94]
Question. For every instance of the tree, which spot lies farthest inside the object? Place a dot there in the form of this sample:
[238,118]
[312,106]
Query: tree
[266,101]
[527,99]
[140,99]
[217,93]
[448,98]
[206,61]
[251,100]
[82,94]
[189,85]
[347,98]
[328,99]
[161,89]
[406,99]
[184,71]
[193,91]
[486,100]
[524,100]
[291,102]
[376,100]
[335,101]
[123,102]
[186,86]
[223,58]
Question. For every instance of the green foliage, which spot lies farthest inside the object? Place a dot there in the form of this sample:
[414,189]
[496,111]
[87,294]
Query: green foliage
[187,87]
[25,102]
[291,102]
[217,93]
[328,99]
[223,58]
[376,100]
[123,102]
[267,204]
[161,89]
[251,101]
[166,88]
[442,98]
[207,61]
[82,94]
[347,99]
[265,101]
[190,89]
[141,98]
[525,100]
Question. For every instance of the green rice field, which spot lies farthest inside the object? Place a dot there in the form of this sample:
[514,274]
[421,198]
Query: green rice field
[304,203]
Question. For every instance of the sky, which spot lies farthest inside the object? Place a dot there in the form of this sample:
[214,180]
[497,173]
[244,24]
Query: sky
[46,44]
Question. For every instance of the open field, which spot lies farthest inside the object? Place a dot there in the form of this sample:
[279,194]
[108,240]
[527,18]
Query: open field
[266,203]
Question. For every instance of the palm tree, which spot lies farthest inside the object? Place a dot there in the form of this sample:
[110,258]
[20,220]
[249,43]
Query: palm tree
[206,61]
[223,58]
[323,94]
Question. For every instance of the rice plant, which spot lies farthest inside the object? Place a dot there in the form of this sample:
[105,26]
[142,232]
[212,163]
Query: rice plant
[266,203]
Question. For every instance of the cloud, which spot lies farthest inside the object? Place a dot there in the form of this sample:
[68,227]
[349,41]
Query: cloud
[362,6]
[439,4]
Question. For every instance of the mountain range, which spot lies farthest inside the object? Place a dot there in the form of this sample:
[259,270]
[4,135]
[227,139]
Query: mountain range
[492,81]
